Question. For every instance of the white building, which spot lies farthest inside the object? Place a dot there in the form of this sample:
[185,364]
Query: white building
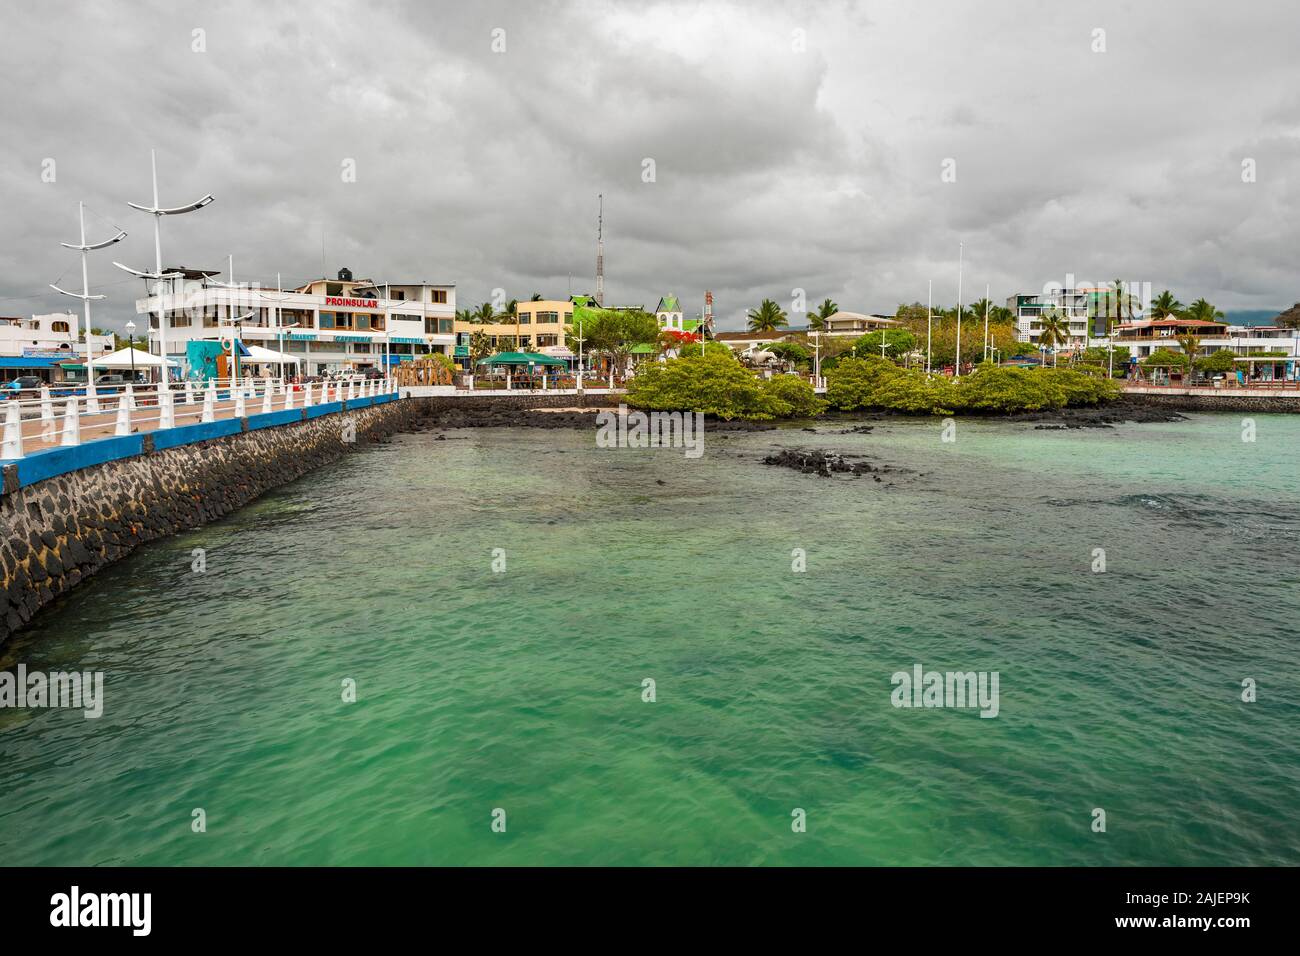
[1143,338]
[1077,307]
[856,324]
[47,346]
[331,325]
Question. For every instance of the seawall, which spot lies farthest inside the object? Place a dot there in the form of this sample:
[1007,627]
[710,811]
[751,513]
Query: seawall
[1230,400]
[56,532]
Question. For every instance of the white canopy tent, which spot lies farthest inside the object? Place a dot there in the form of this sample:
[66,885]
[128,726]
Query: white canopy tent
[258,355]
[131,358]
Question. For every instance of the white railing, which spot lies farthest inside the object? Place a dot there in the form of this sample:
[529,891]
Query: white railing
[83,413]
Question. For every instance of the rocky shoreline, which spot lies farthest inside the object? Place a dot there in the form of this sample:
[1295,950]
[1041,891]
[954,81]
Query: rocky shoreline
[1105,416]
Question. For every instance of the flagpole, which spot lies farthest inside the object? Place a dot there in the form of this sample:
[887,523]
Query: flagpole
[986,322]
[929,312]
[961,247]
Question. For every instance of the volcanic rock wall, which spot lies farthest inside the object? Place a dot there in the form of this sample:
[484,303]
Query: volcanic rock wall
[57,532]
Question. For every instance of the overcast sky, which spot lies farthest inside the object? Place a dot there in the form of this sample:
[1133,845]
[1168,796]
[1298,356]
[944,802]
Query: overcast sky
[794,147]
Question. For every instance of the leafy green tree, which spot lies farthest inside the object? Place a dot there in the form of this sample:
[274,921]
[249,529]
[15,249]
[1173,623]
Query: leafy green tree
[792,352]
[790,396]
[485,315]
[714,384]
[863,383]
[897,342]
[1216,363]
[768,317]
[480,347]
[1164,358]
[1190,344]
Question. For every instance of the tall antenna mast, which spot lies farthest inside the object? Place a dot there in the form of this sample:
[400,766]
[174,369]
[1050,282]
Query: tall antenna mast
[600,252]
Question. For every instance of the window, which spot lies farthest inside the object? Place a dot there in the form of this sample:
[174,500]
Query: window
[399,295]
[333,288]
[548,316]
[362,321]
[60,327]
[327,320]
[438,295]
[524,318]
[446,326]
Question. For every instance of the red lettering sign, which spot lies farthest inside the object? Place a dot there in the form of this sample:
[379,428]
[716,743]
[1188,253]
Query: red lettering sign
[352,303]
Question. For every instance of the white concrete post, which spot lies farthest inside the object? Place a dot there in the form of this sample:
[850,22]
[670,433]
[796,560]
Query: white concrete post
[306,395]
[209,403]
[47,414]
[288,398]
[266,397]
[129,397]
[13,443]
[71,423]
[92,400]
[166,410]
[508,378]
[189,393]
[241,408]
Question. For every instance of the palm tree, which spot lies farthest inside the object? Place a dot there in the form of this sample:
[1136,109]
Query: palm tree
[537,297]
[1055,331]
[485,314]
[1190,344]
[1123,300]
[768,317]
[465,315]
[1165,306]
[817,320]
[1203,311]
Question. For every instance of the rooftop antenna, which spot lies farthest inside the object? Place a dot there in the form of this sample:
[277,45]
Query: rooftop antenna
[92,403]
[157,275]
[600,252]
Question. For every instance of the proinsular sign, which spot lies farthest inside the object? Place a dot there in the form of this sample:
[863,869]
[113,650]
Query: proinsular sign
[352,303]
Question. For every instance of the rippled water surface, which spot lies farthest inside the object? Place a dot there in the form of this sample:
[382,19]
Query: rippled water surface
[522,690]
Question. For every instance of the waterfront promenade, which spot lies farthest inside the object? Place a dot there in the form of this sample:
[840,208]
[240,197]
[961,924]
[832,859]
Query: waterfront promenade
[48,436]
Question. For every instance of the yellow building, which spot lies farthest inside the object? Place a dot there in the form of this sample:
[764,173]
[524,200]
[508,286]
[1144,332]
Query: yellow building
[535,325]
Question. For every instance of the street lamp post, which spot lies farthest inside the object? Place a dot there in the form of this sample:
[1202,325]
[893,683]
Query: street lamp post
[130,336]
[92,403]
[157,275]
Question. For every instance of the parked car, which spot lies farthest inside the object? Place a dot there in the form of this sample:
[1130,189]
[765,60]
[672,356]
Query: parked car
[372,373]
[24,386]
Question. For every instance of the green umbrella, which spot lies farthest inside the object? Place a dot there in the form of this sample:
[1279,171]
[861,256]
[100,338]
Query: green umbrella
[521,358]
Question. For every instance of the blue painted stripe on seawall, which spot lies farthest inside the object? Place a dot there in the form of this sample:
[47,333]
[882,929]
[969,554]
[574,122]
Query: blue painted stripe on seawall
[329,408]
[285,416]
[188,434]
[56,461]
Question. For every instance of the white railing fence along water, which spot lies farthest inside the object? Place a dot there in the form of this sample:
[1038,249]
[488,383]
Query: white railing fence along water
[62,416]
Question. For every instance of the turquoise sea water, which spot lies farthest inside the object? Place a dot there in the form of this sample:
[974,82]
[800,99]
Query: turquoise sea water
[522,690]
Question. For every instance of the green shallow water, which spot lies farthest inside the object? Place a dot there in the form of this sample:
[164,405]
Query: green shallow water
[522,690]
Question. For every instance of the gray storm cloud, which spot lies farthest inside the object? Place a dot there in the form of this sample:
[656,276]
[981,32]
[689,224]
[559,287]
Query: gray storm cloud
[795,146]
